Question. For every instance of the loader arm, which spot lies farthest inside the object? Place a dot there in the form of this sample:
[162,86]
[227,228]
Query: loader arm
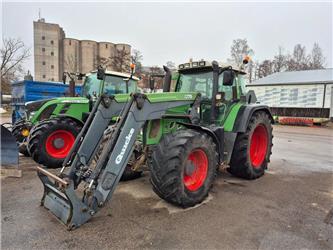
[60,195]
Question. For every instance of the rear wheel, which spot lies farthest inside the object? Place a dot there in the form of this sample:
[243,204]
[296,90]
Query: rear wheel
[51,140]
[252,149]
[20,131]
[183,166]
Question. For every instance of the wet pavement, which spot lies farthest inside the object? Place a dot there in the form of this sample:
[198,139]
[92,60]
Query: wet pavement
[288,208]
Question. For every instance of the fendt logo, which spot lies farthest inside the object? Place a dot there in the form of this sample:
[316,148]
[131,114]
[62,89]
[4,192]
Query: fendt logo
[123,150]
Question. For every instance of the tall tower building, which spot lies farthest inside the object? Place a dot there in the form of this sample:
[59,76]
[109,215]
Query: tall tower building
[48,51]
[55,54]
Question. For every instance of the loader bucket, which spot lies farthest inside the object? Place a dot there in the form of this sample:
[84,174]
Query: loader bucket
[60,199]
[9,148]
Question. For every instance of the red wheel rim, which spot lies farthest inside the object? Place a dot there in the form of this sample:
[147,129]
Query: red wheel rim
[258,145]
[196,168]
[59,143]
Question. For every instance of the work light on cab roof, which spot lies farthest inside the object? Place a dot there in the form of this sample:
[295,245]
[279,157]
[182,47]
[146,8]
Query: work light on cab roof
[204,64]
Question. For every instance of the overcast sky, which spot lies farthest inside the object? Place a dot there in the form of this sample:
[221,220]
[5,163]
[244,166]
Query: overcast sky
[178,31]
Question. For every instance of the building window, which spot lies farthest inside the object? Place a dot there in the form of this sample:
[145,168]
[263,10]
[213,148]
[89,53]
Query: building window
[52,54]
[52,66]
[52,42]
[70,42]
[43,49]
[44,63]
[44,76]
[43,37]
[106,46]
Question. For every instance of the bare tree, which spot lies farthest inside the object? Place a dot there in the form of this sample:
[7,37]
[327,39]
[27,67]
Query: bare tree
[239,49]
[71,64]
[317,60]
[121,60]
[265,68]
[279,61]
[136,56]
[13,55]
[299,60]
[251,68]
[104,62]
[137,60]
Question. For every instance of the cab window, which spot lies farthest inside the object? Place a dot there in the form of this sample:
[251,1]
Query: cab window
[196,82]
[116,85]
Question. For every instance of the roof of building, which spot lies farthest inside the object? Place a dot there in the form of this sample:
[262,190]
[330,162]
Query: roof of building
[297,77]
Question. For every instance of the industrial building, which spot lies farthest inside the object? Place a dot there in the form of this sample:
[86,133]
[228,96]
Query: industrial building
[297,94]
[55,54]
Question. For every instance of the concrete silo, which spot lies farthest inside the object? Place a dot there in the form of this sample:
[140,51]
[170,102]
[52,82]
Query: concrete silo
[88,52]
[105,53]
[71,55]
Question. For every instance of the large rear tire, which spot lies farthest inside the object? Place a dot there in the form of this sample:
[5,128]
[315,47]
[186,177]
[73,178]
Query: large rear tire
[183,167]
[51,140]
[21,131]
[253,148]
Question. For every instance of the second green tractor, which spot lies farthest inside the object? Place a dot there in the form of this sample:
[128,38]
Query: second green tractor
[51,126]
[204,119]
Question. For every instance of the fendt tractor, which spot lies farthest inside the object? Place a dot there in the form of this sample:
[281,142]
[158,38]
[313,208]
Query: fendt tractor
[203,120]
[51,125]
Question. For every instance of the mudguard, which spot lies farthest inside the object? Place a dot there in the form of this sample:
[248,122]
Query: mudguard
[245,113]
[243,117]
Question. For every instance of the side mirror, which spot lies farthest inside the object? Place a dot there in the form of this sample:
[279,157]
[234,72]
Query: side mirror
[151,83]
[100,73]
[228,77]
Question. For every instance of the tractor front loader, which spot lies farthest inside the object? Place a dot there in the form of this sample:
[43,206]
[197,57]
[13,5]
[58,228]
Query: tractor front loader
[100,182]
[204,119]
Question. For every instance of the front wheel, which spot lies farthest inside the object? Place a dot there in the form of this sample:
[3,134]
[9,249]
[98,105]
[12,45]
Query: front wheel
[20,131]
[253,148]
[183,166]
[51,140]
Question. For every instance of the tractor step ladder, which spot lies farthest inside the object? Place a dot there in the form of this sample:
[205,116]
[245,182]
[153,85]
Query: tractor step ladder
[60,194]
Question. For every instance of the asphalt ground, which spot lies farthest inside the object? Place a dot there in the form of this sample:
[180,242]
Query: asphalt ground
[290,207]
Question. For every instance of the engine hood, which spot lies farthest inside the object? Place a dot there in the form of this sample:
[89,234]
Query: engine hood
[35,105]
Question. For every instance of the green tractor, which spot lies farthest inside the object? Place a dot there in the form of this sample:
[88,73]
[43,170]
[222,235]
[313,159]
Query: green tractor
[51,126]
[204,120]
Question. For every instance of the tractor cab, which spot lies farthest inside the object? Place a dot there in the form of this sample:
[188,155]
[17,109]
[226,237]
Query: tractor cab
[220,86]
[113,83]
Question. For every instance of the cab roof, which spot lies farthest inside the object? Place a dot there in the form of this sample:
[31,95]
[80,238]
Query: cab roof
[115,73]
[190,66]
